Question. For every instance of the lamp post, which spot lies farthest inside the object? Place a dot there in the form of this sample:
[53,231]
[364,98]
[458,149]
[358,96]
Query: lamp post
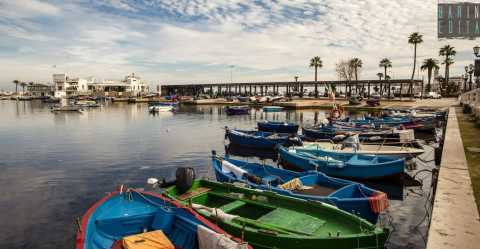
[465,78]
[296,82]
[476,71]
[470,72]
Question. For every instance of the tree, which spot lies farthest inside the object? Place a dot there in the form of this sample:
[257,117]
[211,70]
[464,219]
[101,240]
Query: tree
[447,51]
[429,64]
[415,38]
[23,85]
[380,76]
[356,64]
[345,72]
[16,82]
[316,63]
[385,63]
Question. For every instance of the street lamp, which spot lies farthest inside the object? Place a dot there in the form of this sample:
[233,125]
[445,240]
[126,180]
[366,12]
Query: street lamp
[476,51]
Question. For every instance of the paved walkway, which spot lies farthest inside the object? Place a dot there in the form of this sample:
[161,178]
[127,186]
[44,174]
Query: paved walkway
[455,221]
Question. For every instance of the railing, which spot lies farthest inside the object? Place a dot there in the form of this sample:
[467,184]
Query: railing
[471,98]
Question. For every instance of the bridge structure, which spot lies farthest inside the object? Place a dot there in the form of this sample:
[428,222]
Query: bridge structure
[406,87]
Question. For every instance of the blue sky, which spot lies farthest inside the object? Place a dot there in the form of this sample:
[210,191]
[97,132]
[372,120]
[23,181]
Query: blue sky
[181,41]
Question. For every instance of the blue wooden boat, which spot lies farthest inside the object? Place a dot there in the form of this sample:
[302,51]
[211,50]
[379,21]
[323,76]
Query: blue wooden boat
[281,127]
[261,139]
[118,215]
[272,108]
[366,135]
[237,110]
[342,165]
[352,197]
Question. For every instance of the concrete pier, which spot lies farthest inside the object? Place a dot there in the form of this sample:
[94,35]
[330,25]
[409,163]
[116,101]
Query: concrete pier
[455,220]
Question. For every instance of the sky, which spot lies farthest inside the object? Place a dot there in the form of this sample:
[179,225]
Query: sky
[197,41]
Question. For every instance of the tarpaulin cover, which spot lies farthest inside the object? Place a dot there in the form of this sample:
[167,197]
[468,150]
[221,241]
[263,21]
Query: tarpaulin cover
[149,240]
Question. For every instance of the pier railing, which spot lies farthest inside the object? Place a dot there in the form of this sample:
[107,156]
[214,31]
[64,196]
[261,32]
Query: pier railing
[471,101]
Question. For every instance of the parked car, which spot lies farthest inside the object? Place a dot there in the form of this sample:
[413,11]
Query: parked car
[433,95]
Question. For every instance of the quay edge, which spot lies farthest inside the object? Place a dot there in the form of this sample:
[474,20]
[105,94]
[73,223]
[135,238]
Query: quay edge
[455,221]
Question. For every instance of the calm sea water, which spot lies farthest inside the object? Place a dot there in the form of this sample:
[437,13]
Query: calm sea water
[54,166]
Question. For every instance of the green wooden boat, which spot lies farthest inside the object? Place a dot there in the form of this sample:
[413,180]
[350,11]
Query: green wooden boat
[267,220]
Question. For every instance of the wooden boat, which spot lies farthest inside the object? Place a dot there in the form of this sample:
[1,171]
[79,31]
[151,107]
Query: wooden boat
[365,134]
[355,100]
[237,110]
[349,196]
[261,139]
[243,99]
[87,103]
[160,108]
[268,220]
[373,101]
[271,108]
[342,165]
[281,127]
[119,219]
[364,149]
[67,108]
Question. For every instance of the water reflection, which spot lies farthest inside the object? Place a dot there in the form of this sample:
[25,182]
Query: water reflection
[54,166]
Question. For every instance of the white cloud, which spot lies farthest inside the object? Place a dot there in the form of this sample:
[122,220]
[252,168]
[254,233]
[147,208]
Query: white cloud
[197,40]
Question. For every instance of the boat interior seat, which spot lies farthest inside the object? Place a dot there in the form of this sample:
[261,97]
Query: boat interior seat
[232,206]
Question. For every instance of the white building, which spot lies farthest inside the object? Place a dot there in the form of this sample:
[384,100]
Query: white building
[136,86]
[131,85]
[65,86]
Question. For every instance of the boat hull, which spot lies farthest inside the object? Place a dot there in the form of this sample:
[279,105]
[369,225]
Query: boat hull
[341,166]
[280,127]
[269,220]
[342,196]
[260,140]
[122,214]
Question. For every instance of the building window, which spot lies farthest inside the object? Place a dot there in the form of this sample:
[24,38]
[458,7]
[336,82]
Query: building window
[440,12]
[459,11]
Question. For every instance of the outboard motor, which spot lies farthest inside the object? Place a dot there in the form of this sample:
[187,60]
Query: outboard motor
[294,140]
[184,179]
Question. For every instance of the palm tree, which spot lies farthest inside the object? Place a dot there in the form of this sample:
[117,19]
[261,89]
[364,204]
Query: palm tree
[16,82]
[447,51]
[385,63]
[316,63]
[380,76]
[23,85]
[356,63]
[415,38]
[429,64]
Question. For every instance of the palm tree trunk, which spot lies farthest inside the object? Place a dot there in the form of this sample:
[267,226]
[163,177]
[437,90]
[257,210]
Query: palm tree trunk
[316,86]
[429,86]
[16,88]
[414,59]
[446,70]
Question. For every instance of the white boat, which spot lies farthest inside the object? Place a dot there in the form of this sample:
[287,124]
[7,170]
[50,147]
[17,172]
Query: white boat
[160,108]
[352,146]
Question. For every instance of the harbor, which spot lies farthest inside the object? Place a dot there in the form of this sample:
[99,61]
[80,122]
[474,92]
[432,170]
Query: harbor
[239,124]
[67,169]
